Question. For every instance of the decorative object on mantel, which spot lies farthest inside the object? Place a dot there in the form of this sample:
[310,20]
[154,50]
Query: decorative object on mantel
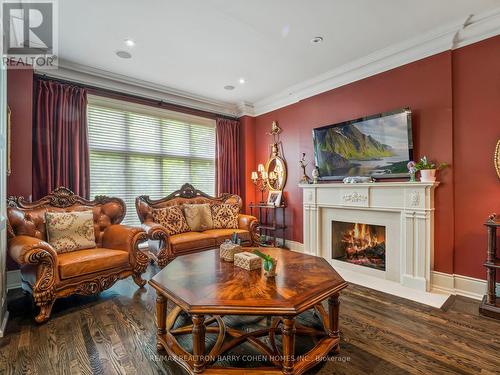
[269,263]
[428,169]
[490,306]
[496,158]
[358,180]
[248,261]
[305,179]
[228,249]
[315,175]
[412,170]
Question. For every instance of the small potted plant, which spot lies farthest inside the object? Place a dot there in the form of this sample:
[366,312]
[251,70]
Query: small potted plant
[269,263]
[428,169]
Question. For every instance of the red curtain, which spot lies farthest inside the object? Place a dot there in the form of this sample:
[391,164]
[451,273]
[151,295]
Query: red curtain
[60,144]
[228,163]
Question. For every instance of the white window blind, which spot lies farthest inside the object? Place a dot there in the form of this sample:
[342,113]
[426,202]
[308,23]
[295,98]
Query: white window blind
[136,150]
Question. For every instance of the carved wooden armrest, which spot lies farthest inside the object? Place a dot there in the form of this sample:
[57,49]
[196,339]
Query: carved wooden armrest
[30,250]
[251,224]
[157,232]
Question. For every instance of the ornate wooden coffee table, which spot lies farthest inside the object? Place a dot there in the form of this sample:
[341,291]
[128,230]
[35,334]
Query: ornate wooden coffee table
[207,288]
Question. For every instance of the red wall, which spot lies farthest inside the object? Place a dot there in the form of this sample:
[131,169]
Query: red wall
[476,98]
[455,99]
[20,100]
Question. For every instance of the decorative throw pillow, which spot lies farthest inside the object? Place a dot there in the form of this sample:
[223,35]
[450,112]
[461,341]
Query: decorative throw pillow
[172,218]
[198,216]
[70,231]
[225,216]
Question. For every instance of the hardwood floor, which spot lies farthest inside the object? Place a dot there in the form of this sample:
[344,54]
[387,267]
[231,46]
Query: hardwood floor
[114,333]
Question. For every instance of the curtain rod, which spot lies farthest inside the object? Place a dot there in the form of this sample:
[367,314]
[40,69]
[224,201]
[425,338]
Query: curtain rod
[148,100]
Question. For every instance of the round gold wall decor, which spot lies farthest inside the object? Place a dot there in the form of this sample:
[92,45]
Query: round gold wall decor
[496,158]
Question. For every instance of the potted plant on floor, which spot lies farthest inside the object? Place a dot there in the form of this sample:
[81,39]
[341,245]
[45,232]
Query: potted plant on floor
[428,169]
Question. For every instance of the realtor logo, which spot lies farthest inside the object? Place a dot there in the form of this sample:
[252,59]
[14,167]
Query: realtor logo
[29,33]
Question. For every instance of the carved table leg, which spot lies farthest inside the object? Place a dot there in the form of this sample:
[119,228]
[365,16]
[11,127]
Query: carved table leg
[161,319]
[198,342]
[333,316]
[288,345]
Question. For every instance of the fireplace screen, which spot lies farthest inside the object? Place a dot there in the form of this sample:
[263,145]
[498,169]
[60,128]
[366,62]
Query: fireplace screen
[357,243]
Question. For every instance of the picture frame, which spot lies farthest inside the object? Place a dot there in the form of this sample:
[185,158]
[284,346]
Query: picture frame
[274,198]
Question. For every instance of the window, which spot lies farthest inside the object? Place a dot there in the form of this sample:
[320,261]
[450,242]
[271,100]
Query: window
[137,150]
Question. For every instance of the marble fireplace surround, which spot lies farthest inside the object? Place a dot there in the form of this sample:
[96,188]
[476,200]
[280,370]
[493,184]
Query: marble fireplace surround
[406,209]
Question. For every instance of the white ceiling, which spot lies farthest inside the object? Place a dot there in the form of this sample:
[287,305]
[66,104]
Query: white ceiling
[199,46]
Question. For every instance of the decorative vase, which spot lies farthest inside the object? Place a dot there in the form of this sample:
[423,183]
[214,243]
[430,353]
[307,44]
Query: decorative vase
[412,177]
[428,175]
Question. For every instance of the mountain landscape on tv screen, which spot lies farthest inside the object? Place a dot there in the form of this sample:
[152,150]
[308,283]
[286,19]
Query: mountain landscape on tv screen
[347,151]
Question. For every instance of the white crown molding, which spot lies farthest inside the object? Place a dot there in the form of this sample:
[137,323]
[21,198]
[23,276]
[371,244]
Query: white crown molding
[117,82]
[448,37]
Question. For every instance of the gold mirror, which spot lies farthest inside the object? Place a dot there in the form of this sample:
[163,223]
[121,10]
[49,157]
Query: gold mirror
[497,158]
[276,173]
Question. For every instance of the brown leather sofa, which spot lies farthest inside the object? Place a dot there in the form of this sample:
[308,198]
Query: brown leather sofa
[168,247]
[49,275]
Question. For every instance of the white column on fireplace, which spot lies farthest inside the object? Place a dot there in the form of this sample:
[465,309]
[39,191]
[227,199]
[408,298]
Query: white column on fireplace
[406,209]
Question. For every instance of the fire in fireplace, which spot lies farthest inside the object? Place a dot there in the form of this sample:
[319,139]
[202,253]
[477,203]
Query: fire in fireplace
[358,243]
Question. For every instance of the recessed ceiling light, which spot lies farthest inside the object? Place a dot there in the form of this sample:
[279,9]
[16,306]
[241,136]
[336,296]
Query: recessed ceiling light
[317,40]
[242,80]
[124,54]
[129,43]
[229,87]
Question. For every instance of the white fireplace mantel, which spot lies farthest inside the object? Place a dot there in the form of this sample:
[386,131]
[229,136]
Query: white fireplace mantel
[405,208]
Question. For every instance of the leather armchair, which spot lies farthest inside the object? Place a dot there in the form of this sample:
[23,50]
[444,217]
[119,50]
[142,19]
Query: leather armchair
[49,275]
[168,247]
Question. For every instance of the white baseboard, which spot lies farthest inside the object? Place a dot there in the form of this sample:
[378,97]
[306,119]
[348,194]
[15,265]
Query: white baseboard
[440,282]
[13,279]
[460,285]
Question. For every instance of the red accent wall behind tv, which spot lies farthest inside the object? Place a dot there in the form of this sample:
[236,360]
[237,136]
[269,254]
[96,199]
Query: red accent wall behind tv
[455,100]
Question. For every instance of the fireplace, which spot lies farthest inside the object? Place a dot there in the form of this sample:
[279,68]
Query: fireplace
[359,243]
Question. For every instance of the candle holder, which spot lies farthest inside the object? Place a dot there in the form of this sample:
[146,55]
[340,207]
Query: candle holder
[260,178]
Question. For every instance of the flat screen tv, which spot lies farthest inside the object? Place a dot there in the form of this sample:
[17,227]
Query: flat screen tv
[378,146]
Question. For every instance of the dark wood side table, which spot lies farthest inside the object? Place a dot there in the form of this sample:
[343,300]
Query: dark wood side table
[270,223]
[490,306]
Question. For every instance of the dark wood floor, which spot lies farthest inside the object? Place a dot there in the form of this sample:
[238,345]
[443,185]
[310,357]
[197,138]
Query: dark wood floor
[114,334]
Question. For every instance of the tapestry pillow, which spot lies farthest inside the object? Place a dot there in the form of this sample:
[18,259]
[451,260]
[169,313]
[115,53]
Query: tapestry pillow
[70,231]
[225,216]
[172,218]
[198,216]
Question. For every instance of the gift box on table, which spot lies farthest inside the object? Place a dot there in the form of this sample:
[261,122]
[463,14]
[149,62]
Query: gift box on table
[228,250]
[248,261]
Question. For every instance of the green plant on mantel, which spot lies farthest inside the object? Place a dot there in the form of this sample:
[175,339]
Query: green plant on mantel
[268,261]
[423,163]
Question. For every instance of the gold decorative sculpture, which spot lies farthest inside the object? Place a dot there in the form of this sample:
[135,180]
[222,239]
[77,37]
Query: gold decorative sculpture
[305,179]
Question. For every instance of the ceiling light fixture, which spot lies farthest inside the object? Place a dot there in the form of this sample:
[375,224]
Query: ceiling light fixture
[229,87]
[124,54]
[242,80]
[317,40]
[129,43]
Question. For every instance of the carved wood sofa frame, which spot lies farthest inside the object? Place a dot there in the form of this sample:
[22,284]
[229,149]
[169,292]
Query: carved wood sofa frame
[186,194]
[39,261]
